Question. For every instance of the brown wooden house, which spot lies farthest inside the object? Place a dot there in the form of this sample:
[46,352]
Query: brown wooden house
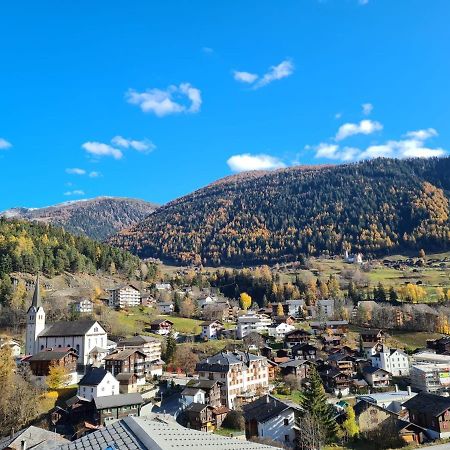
[41,362]
[296,337]
[200,417]
[128,360]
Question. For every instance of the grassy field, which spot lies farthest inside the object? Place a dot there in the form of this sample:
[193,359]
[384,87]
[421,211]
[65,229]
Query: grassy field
[183,325]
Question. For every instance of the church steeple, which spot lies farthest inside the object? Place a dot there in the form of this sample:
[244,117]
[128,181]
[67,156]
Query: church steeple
[37,294]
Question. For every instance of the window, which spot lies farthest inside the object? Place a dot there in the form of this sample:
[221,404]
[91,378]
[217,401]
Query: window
[286,422]
[286,438]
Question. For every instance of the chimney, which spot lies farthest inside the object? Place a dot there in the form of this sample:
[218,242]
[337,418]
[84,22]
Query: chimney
[267,399]
[23,445]
[409,390]
[396,388]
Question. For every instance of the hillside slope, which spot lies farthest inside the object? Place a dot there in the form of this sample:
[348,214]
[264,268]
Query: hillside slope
[96,218]
[375,206]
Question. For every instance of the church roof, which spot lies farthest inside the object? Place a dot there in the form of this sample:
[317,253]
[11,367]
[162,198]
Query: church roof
[75,328]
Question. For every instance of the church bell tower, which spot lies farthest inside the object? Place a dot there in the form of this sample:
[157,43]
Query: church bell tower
[35,321]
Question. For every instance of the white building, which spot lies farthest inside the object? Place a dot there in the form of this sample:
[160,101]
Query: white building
[84,306]
[97,382]
[192,395]
[211,329]
[249,323]
[163,286]
[279,331]
[126,296]
[434,378]
[271,418]
[204,301]
[428,357]
[295,307]
[238,372]
[165,308]
[394,361]
[13,345]
[81,335]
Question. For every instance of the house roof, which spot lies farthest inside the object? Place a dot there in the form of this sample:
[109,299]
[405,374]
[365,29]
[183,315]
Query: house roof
[300,332]
[371,370]
[191,391]
[221,362]
[137,341]
[52,355]
[202,384]
[363,404]
[120,355]
[292,363]
[74,328]
[265,408]
[125,376]
[210,322]
[197,407]
[115,401]
[36,302]
[157,432]
[36,439]
[161,321]
[430,403]
[94,377]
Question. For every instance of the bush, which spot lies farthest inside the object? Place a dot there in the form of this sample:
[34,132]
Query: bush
[234,420]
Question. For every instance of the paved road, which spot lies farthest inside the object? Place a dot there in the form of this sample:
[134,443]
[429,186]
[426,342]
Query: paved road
[436,447]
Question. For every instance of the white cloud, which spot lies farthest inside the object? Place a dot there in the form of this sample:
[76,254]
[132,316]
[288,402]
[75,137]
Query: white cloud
[422,135]
[100,149]
[363,127]
[245,77]
[282,70]
[76,171]
[412,146]
[367,108]
[94,174]
[246,162]
[4,144]
[76,192]
[144,146]
[175,99]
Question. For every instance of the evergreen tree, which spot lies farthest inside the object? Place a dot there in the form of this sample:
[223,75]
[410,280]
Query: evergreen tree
[171,347]
[314,402]
[393,296]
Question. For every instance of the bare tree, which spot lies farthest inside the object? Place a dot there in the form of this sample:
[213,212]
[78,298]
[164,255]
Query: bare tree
[310,435]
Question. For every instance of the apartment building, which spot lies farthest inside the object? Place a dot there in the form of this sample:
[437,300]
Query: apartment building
[434,378]
[238,372]
[125,296]
[249,323]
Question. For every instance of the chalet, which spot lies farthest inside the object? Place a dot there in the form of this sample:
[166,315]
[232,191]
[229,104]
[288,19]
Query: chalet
[335,381]
[274,370]
[372,336]
[343,362]
[371,417]
[297,367]
[200,417]
[165,307]
[41,362]
[161,326]
[331,340]
[375,377]
[304,351]
[211,329]
[113,407]
[295,337]
[271,418]
[430,411]
[211,388]
[97,382]
[278,332]
[338,326]
[84,306]
[147,300]
[128,382]
[127,361]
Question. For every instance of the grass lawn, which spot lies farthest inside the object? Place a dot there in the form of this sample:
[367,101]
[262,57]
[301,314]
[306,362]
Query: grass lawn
[294,396]
[229,432]
[413,339]
[183,325]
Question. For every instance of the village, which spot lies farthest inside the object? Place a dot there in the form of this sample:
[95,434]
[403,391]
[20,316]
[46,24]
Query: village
[249,381]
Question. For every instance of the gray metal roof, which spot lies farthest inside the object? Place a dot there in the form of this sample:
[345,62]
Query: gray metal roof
[36,439]
[116,401]
[75,328]
[157,432]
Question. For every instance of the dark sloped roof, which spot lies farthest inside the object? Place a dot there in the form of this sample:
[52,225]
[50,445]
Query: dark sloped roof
[51,355]
[220,362]
[430,403]
[115,401]
[371,369]
[94,377]
[120,355]
[75,328]
[137,340]
[197,407]
[202,384]
[264,408]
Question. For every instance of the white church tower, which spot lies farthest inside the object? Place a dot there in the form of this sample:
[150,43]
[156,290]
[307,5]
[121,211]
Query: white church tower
[35,321]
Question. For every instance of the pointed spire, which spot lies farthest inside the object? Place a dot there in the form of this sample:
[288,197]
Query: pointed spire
[37,295]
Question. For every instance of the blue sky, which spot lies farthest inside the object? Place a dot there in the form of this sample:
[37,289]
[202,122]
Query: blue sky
[151,100]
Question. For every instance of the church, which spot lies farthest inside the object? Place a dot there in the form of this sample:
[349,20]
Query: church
[81,335]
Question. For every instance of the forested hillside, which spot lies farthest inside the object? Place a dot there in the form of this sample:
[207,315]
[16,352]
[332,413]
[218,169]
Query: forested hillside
[96,218]
[31,247]
[376,207]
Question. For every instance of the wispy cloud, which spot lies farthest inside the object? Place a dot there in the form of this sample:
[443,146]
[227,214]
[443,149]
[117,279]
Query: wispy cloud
[278,72]
[76,171]
[94,174]
[363,127]
[101,149]
[245,77]
[76,192]
[412,145]
[144,146]
[367,108]
[184,98]
[246,162]
[4,144]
